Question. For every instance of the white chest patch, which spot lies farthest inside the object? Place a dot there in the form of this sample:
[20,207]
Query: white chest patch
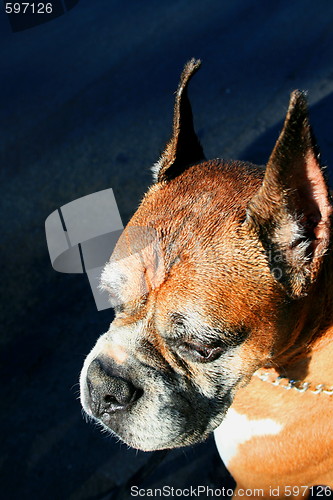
[236,429]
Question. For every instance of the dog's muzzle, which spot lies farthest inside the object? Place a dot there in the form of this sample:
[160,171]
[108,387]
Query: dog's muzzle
[107,392]
[145,402]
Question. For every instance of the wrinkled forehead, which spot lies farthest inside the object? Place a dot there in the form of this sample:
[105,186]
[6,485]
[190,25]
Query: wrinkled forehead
[187,226]
[183,270]
[145,258]
[136,266]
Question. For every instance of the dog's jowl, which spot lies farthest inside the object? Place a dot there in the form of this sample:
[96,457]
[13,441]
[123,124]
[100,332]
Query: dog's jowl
[222,289]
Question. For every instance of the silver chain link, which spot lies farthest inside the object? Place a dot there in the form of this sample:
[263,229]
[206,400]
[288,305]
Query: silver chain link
[298,385]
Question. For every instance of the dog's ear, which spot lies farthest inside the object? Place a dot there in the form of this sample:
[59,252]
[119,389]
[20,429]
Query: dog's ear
[291,212]
[184,148]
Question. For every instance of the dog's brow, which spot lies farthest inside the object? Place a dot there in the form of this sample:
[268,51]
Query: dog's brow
[190,326]
[112,281]
[185,326]
[125,287]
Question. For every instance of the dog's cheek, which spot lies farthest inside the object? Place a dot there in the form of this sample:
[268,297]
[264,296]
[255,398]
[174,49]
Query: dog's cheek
[215,379]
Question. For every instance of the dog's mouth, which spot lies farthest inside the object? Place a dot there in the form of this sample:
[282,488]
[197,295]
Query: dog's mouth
[147,427]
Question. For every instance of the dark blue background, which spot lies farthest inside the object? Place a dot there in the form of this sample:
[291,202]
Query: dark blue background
[86,104]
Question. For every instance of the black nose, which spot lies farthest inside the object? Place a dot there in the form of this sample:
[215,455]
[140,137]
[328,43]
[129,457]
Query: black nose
[109,392]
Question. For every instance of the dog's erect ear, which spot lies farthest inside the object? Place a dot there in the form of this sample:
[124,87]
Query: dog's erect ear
[292,209]
[184,148]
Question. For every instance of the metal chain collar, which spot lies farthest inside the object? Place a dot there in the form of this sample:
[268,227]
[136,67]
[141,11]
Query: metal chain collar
[298,385]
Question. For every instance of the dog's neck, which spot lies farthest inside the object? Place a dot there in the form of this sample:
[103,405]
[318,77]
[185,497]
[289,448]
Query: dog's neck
[310,356]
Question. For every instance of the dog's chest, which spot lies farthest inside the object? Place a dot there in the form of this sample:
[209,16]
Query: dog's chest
[237,429]
[269,431]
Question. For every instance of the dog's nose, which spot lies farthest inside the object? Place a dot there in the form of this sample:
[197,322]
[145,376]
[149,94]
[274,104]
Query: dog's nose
[108,392]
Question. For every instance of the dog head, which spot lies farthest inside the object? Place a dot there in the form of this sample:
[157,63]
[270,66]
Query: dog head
[209,281]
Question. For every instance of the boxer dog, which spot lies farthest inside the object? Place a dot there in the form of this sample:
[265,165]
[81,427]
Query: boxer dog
[222,290]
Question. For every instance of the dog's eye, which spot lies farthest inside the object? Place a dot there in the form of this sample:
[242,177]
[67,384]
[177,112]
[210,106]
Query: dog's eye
[200,353]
